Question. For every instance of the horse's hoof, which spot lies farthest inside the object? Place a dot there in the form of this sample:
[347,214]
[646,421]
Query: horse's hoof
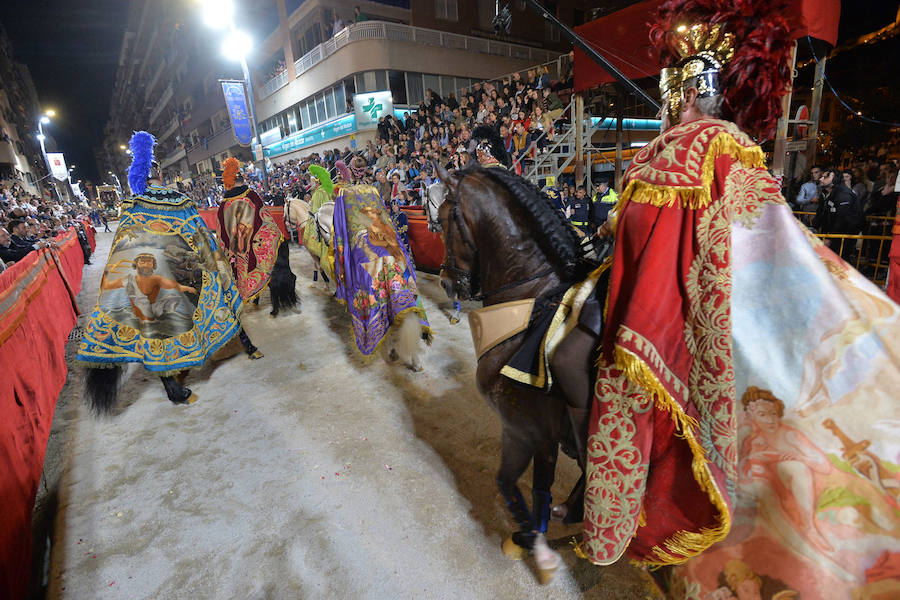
[454,320]
[256,355]
[272,315]
[414,368]
[545,576]
[393,356]
[513,550]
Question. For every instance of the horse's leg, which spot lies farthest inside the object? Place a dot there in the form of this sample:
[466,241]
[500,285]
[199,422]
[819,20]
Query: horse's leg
[546,559]
[457,307]
[572,370]
[514,458]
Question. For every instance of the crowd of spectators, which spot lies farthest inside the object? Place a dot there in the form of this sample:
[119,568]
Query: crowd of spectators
[525,111]
[28,222]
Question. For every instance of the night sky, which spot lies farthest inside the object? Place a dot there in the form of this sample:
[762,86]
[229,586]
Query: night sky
[72,46]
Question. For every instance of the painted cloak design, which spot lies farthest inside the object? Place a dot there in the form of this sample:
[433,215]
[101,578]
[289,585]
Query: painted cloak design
[374,276]
[167,299]
[742,411]
[250,240]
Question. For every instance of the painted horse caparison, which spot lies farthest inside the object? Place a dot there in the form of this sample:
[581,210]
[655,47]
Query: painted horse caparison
[504,241]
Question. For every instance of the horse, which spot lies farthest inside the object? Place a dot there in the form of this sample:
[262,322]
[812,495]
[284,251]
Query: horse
[434,195]
[296,216]
[504,242]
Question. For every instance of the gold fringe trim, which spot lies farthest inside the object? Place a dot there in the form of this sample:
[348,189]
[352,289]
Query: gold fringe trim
[683,544]
[693,197]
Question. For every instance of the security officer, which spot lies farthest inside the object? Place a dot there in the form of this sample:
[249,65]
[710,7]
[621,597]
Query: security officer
[604,200]
[580,213]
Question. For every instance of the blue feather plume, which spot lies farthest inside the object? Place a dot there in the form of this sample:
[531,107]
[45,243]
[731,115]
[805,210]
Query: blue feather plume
[141,145]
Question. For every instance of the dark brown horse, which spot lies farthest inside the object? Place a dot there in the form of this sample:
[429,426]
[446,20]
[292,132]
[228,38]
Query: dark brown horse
[504,241]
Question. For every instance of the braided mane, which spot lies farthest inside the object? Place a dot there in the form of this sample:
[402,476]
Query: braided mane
[552,232]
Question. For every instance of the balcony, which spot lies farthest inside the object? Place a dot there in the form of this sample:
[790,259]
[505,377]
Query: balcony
[395,32]
[163,102]
[171,128]
[214,144]
[172,158]
[274,84]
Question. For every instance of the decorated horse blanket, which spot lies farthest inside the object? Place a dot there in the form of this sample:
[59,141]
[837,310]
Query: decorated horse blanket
[167,298]
[250,240]
[373,273]
[744,423]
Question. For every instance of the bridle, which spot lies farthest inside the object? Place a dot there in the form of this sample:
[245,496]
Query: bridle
[287,217]
[470,279]
[434,224]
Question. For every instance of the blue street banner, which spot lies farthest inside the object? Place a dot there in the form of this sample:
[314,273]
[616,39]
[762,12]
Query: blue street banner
[236,102]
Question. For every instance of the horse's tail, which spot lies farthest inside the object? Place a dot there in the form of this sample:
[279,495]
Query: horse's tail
[283,283]
[101,387]
[407,340]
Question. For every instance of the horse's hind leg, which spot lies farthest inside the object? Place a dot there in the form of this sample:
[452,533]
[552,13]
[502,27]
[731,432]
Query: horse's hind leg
[546,559]
[515,456]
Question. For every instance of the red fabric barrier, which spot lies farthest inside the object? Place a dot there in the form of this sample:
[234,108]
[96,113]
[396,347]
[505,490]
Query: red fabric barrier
[91,234]
[209,216]
[427,247]
[36,315]
[623,38]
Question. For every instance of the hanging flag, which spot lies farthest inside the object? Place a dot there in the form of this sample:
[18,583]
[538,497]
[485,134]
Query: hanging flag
[58,165]
[236,102]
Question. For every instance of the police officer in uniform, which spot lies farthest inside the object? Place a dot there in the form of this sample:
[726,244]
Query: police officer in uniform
[604,200]
[581,214]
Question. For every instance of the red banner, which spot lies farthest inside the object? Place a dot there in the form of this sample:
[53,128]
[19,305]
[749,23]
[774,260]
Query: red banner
[623,38]
[36,315]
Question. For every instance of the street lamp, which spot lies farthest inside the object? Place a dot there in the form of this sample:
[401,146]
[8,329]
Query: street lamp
[44,120]
[219,14]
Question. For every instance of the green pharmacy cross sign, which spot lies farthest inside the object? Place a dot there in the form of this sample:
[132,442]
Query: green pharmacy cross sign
[372,109]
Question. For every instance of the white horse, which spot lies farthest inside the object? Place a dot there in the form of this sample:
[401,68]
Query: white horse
[435,194]
[297,215]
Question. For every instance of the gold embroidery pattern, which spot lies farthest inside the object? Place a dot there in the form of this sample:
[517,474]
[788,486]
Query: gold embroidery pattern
[616,469]
[676,169]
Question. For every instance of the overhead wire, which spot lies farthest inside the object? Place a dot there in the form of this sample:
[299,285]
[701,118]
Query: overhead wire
[856,113]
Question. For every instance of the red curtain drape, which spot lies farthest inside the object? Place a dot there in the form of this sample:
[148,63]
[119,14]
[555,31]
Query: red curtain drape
[623,38]
[36,315]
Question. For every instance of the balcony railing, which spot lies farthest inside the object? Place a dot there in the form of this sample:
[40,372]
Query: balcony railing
[208,147]
[163,102]
[173,157]
[395,32]
[274,84]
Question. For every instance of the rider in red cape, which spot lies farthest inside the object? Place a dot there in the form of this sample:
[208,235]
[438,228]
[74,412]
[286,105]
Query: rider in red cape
[662,449]
[253,243]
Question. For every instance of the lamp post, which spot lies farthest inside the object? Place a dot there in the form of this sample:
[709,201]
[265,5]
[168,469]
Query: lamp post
[43,120]
[218,14]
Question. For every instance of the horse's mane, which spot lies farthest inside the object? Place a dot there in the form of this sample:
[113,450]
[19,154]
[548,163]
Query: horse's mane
[554,236]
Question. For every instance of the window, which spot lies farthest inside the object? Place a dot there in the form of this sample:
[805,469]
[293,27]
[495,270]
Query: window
[340,100]
[433,83]
[551,32]
[397,85]
[446,9]
[447,86]
[414,88]
[381,83]
[329,104]
[320,107]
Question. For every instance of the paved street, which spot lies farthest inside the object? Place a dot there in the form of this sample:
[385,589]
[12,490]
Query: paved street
[308,474]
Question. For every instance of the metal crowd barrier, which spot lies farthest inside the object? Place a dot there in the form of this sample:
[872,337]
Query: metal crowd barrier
[867,252]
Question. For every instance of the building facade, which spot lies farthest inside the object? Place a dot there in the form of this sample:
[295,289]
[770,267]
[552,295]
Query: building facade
[310,58]
[20,155]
